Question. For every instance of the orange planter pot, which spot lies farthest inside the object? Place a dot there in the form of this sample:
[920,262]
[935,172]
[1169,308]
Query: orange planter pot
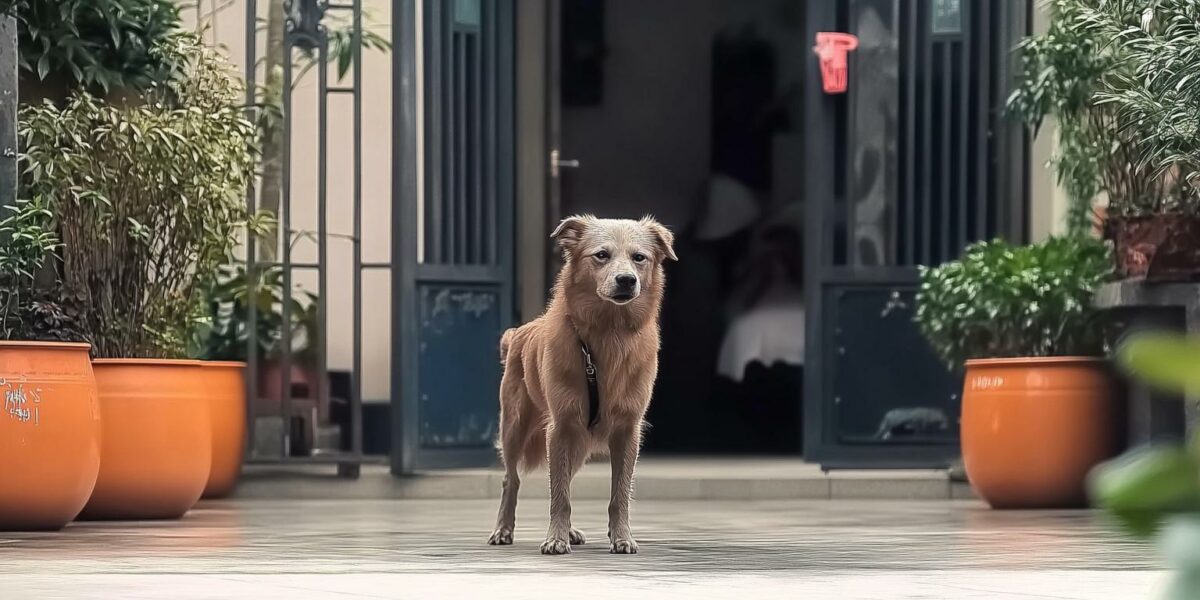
[49,434]
[157,443]
[1032,428]
[226,385]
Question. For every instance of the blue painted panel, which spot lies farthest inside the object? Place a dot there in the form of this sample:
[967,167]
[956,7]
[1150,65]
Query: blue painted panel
[459,365]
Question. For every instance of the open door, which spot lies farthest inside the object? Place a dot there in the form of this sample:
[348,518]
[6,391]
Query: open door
[908,166]
[454,232]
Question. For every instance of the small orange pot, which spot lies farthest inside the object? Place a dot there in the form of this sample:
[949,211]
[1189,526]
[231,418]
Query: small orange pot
[49,434]
[226,385]
[1032,428]
[157,446]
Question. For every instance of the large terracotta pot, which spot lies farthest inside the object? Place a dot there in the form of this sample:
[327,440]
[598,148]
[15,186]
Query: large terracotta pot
[49,434]
[1032,428]
[226,385]
[157,446]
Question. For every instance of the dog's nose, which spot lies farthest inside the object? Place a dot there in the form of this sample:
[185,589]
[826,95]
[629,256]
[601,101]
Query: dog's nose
[626,280]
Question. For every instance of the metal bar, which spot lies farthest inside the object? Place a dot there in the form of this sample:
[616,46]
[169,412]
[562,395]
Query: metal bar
[947,160]
[450,196]
[819,137]
[322,384]
[490,91]
[964,154]
[330,458]
[892,132]
[462,163]
[376,265]
[911,42]
[850,178]
[356,433]
[434,139]
[293,265]
[285,208]
[405,195]
[251,375]
[926,141]
[477,241]
[448,273]
[981,150]
[354,7]
[340,90]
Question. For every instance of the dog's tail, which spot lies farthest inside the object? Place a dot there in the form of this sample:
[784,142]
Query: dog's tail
[505,342]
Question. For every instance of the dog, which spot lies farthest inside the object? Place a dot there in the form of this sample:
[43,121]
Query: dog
[600,334]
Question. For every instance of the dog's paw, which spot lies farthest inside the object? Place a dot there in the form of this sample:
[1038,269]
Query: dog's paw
[556,546]
[501,537]
[624,546]
[577,537]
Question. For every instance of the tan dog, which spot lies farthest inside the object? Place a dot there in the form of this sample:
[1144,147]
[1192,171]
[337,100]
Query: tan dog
[607,299]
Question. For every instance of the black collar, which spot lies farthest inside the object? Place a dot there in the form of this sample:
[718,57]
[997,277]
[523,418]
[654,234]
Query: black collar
[593,386]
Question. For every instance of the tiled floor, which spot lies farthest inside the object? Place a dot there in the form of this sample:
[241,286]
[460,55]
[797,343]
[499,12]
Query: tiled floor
[844,550]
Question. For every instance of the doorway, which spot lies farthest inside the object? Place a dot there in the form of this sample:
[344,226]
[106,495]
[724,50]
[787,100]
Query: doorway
[691,110]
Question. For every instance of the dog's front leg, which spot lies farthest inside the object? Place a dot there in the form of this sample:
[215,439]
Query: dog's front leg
[567,449]
[623,444]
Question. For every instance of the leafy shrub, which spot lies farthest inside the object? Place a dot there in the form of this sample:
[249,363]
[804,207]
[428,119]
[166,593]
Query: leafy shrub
[147,200]
[1155,95]
[1003,301]
[1065,71]
[97,44]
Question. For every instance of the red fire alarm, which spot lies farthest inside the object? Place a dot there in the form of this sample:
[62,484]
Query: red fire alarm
[831,49]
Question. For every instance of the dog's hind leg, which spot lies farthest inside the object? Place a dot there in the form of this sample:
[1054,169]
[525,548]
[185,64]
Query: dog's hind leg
[513,434]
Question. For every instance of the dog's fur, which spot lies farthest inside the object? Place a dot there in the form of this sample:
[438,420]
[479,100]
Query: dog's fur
[543,395]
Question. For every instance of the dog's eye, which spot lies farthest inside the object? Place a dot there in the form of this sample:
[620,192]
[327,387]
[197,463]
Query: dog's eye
[639,257]
[602,255]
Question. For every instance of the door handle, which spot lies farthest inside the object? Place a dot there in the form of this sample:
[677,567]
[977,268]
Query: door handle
[556,163]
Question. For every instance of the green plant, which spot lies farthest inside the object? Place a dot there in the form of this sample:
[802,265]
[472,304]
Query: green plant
[27,311]
[1064,75]
[96,44]
[147,200]
[223,332]
[1155,97]
[1001,300]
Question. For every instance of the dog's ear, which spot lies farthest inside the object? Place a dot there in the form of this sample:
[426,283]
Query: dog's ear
[570,231]
[662,236]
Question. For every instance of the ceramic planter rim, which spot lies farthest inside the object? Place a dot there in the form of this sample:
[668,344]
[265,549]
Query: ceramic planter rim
[34,345]
[148,362]
[1036,361]
[223,364]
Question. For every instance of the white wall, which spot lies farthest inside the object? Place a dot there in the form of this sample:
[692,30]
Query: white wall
[1047,201]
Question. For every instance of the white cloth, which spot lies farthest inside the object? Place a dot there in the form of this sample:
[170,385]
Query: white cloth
[771,332]
[729,208]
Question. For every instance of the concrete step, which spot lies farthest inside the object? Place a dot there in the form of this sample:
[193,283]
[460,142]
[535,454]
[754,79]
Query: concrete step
[657,479]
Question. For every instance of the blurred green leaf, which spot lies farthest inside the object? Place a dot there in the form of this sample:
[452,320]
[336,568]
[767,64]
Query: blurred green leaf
[1144,485]
[1164,360]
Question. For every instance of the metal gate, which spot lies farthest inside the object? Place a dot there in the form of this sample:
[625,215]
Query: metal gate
[302,403]
[453,235]
[914,162]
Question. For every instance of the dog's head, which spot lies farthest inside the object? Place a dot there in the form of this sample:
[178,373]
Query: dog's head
[622,257]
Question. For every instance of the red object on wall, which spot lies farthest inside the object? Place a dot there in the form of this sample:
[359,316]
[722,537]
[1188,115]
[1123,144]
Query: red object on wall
[831,49]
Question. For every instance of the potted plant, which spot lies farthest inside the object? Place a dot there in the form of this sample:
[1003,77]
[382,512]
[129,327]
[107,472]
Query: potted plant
[1078,72]
[49,426]
[149,200]
[1038,400]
